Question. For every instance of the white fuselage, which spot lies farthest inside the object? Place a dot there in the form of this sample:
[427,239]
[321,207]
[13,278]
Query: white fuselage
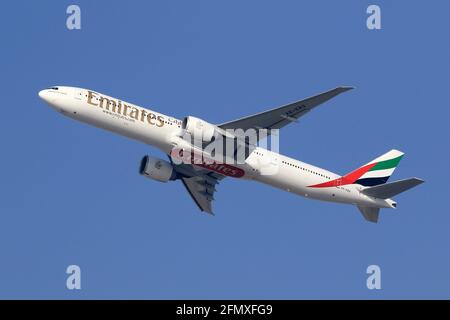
[164,132]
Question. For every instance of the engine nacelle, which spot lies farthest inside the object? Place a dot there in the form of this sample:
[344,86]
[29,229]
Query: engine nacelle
[157,169]
[199,129]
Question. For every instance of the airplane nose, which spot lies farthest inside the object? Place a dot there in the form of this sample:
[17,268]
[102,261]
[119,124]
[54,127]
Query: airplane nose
[43,94]
[47,96]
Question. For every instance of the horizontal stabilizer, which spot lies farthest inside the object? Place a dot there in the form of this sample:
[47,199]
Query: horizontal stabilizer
[388,190]
[370,213]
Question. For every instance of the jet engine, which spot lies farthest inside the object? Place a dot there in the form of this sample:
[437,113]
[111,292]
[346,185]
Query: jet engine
[199,129]
[157,169]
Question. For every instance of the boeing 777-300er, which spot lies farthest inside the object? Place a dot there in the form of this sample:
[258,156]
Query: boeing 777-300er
[365,187]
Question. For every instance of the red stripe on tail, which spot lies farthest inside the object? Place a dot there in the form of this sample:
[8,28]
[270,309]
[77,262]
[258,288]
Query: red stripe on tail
[347,179]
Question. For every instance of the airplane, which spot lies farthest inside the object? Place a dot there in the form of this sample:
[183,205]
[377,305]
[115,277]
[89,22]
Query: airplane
[366,187]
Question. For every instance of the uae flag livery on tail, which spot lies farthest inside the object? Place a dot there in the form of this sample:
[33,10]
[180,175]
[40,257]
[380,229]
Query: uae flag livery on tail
[374,173]
[380,169]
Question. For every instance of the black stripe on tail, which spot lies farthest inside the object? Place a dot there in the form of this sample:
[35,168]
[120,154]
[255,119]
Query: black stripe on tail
[370,182]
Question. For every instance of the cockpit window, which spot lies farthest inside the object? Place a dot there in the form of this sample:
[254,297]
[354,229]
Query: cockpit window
[53,88]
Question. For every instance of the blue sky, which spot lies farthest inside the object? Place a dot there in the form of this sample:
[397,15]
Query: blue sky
[71,194]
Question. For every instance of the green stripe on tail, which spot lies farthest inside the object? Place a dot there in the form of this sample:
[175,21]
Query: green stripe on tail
[387,164]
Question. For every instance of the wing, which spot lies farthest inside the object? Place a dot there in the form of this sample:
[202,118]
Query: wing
[201,192]
[200,184]
[282,116]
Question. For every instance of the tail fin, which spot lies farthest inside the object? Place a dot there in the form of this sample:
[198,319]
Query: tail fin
[377,171]
[374,173]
